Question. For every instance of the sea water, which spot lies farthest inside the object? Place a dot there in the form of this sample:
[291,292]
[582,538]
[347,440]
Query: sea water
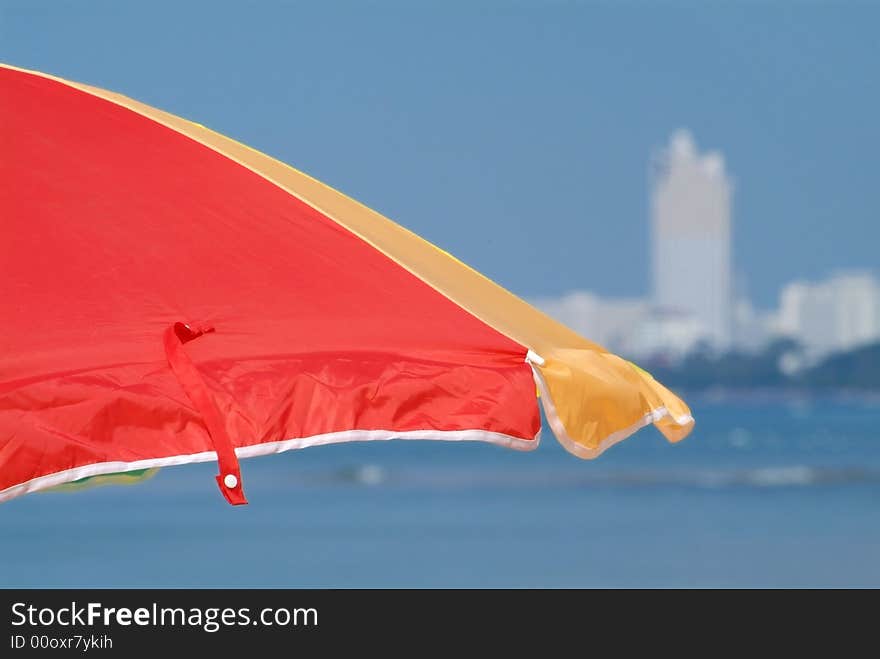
[767,491]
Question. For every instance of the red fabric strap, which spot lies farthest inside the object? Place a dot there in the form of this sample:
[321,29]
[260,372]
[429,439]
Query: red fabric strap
[194,385]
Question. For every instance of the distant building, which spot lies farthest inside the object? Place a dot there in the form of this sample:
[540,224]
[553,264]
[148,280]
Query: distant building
[631,326]
[665,333]
[840,313]
[691,227]
[608,322]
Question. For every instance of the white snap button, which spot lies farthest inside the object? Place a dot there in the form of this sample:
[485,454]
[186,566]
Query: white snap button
[230,481]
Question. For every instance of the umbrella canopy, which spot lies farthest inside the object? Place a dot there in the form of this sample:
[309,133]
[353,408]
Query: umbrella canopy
[172,296]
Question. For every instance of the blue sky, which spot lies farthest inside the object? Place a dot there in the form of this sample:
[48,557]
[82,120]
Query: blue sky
[517,135]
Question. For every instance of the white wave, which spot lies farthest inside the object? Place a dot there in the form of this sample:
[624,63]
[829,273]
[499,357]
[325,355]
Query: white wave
[781,476]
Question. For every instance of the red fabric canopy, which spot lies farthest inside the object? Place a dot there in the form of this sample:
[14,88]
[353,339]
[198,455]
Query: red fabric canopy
[116,227]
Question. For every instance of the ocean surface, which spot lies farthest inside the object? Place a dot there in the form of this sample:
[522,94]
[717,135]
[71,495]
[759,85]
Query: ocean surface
[768,491]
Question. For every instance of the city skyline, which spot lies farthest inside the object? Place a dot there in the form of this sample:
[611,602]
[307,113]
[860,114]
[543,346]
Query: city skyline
[690,299]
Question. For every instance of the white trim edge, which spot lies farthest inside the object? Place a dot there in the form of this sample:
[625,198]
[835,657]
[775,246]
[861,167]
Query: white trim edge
[267,448]
[582,451]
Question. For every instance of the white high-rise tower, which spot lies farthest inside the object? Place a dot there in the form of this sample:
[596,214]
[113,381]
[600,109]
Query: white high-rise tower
[690,208]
